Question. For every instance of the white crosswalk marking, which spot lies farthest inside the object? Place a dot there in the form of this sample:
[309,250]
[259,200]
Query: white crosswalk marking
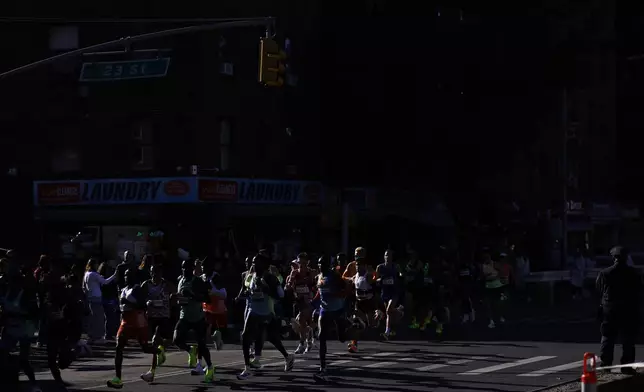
[449,363]
[276,363]
[554,369]
[387,354]
[379,365]
[334,363]
[342,362]
[490,369]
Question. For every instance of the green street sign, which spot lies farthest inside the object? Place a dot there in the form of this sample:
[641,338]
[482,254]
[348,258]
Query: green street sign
[108,71]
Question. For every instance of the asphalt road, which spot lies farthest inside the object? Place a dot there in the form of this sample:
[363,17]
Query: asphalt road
[534,350]
[392,366]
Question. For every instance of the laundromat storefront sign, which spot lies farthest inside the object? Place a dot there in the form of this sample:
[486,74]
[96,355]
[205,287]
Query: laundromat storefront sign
[247,191]
[115,191]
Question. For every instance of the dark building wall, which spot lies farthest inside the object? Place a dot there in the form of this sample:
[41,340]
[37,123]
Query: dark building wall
[183,110]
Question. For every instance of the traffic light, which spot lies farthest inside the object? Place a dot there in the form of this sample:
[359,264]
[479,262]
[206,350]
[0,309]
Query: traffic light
[271,63]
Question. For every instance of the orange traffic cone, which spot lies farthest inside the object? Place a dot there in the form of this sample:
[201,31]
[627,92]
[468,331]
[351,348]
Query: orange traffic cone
[589,375]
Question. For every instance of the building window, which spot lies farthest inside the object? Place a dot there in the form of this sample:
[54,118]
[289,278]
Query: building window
[224,145]
[143,152]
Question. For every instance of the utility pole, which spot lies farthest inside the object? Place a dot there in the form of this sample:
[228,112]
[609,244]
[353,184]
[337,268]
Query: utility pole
[564,169]
[125,42]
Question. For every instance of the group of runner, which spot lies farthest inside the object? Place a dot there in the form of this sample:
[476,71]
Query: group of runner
[332,298]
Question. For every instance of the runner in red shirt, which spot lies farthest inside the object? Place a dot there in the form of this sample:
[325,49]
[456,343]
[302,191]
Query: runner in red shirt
[301,281]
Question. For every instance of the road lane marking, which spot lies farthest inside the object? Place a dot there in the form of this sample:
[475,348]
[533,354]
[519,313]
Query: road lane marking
[490,369]
[448,363]
[274,363]
[379,365]
[554,369]
[106,361]
[342,362]
[387,354]
[169,374]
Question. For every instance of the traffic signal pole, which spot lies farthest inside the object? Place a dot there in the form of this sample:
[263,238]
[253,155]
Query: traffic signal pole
[125,42]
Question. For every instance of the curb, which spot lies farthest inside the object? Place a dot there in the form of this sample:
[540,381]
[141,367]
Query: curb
[629,383]
[618,383]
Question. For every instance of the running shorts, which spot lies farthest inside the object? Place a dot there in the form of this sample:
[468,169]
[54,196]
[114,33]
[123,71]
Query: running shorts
[217,320]
[134,325]
[390,295]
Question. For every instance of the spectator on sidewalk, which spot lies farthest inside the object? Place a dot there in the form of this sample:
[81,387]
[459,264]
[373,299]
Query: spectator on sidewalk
[110,302]
[620,287]
[92,284]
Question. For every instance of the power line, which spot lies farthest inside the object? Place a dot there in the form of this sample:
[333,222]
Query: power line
[121,20]
[267,22]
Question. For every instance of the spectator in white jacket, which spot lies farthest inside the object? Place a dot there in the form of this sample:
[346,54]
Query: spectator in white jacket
[92,283]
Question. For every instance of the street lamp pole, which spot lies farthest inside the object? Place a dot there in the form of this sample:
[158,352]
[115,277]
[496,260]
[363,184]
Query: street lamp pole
[125,42]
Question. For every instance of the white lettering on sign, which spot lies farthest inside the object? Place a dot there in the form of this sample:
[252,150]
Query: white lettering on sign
[226,189]
[67,191]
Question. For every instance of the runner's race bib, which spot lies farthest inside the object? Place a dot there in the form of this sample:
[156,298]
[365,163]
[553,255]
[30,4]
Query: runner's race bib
[257,295]
[302,289]
[388,281]
[428,280]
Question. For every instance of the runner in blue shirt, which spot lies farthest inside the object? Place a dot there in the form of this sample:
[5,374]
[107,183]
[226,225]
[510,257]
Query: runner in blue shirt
[331,289]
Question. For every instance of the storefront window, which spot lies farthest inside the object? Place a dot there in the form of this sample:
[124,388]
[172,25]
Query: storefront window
[137,239]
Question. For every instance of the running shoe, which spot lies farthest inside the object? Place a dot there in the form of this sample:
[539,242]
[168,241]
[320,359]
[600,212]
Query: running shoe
[192,357]
[414,324]
[161,356]
[300,349]
[385,335]
[198,370]
[321,376]
[210,375]
[245,375]
[115,383]
[148,376]
[289,361]
[353,347]
[255,363]
[309,347]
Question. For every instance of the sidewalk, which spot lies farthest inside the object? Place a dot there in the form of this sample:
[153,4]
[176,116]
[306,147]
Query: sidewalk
[565,311]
